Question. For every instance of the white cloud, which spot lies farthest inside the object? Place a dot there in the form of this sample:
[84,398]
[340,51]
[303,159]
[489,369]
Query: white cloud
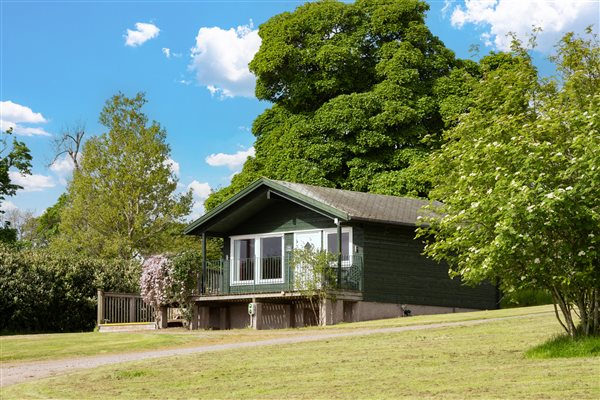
[17,113]
[200,191]
[142,34]
[174,165]
[8,205]
[220,60]
[63,168]
[19,129]
[500,17]
[33,182]
[232,161]
[167,52]
[13,115]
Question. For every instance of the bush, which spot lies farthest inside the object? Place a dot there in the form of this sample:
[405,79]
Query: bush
[41,291]
[526,298]
[171,280]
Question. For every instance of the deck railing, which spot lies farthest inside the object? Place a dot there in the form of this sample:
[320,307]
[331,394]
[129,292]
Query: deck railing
[123,308]
[274,274]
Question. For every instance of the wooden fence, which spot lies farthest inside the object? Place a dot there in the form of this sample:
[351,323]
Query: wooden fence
[116,308]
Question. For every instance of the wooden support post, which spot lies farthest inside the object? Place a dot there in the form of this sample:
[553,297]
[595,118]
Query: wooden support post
[195,315]
[164,318]
[100,306]
[132,317]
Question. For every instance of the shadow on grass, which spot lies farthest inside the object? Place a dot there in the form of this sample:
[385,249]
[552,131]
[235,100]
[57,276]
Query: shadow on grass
[564,346]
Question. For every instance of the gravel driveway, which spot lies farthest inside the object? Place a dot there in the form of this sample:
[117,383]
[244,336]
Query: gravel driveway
[11,374]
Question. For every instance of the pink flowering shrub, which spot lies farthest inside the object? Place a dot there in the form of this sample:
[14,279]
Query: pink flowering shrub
[156,282]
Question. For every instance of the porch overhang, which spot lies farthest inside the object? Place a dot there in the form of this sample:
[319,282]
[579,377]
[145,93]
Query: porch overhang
[251,200]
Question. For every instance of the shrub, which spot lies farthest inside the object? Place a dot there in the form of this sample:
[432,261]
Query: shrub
[526,298]
[41,291]
[170,281]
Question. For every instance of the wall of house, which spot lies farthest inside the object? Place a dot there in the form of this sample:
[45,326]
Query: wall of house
[395,271]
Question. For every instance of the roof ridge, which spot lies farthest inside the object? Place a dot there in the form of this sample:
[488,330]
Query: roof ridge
[349,191]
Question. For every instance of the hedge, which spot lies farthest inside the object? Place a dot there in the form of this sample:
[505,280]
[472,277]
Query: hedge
[41,291]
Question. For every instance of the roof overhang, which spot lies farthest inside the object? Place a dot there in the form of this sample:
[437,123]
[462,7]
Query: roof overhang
[249,201]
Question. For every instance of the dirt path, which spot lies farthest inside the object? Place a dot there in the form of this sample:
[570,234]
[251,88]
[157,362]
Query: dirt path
[23,372]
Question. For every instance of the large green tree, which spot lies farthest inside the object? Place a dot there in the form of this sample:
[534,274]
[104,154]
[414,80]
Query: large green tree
[519,178]
[354,93]
[121,201]
[14,155]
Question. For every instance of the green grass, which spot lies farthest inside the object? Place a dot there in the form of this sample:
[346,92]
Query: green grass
[481,361]
[565,346]
[40,347]
[25,348]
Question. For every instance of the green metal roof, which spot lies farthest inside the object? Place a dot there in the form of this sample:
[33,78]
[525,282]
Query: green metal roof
[334,203]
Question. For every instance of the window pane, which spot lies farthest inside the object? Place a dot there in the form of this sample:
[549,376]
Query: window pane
[271,251]
[244,259]
[332,244]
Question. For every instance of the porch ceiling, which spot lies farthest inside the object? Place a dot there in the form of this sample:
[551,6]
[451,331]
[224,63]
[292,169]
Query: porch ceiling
[232,216]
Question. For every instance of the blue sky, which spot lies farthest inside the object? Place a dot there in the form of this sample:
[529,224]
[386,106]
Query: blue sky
[61,60]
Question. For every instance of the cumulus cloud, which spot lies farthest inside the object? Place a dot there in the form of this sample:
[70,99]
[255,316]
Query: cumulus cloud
[33,182]
[220,60]
[232,161]
[167,52]
[63,168]
[142,33]
[500,17]
[17,113]
[200,191]
[173,165]
[13,115]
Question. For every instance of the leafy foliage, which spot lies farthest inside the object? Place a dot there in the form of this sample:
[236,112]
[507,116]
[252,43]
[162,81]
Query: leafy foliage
[356,91]
[121,201]
[41,291]
[519,179]
[314,276]
[13,155]
[48,223]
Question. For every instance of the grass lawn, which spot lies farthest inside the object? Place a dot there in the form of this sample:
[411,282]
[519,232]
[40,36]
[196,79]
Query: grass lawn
[482,361]
[25,348]
[64,345]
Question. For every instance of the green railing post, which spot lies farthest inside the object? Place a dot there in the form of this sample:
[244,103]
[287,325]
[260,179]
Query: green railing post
[339,255]
[203,286]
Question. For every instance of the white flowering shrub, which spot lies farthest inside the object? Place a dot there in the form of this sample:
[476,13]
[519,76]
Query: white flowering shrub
[519,181]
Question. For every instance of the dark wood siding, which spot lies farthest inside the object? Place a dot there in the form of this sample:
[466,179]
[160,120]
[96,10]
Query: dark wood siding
[282,216]
[396,272]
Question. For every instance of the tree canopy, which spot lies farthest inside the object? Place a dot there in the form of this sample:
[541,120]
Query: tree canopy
[358,96]
[519,178]
[14,155]
[121,201]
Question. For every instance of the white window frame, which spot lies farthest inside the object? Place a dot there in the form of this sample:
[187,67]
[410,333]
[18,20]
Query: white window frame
[257,278]
[350,243]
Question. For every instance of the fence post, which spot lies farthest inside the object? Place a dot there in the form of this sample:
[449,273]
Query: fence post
[132,317]
[100,306]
